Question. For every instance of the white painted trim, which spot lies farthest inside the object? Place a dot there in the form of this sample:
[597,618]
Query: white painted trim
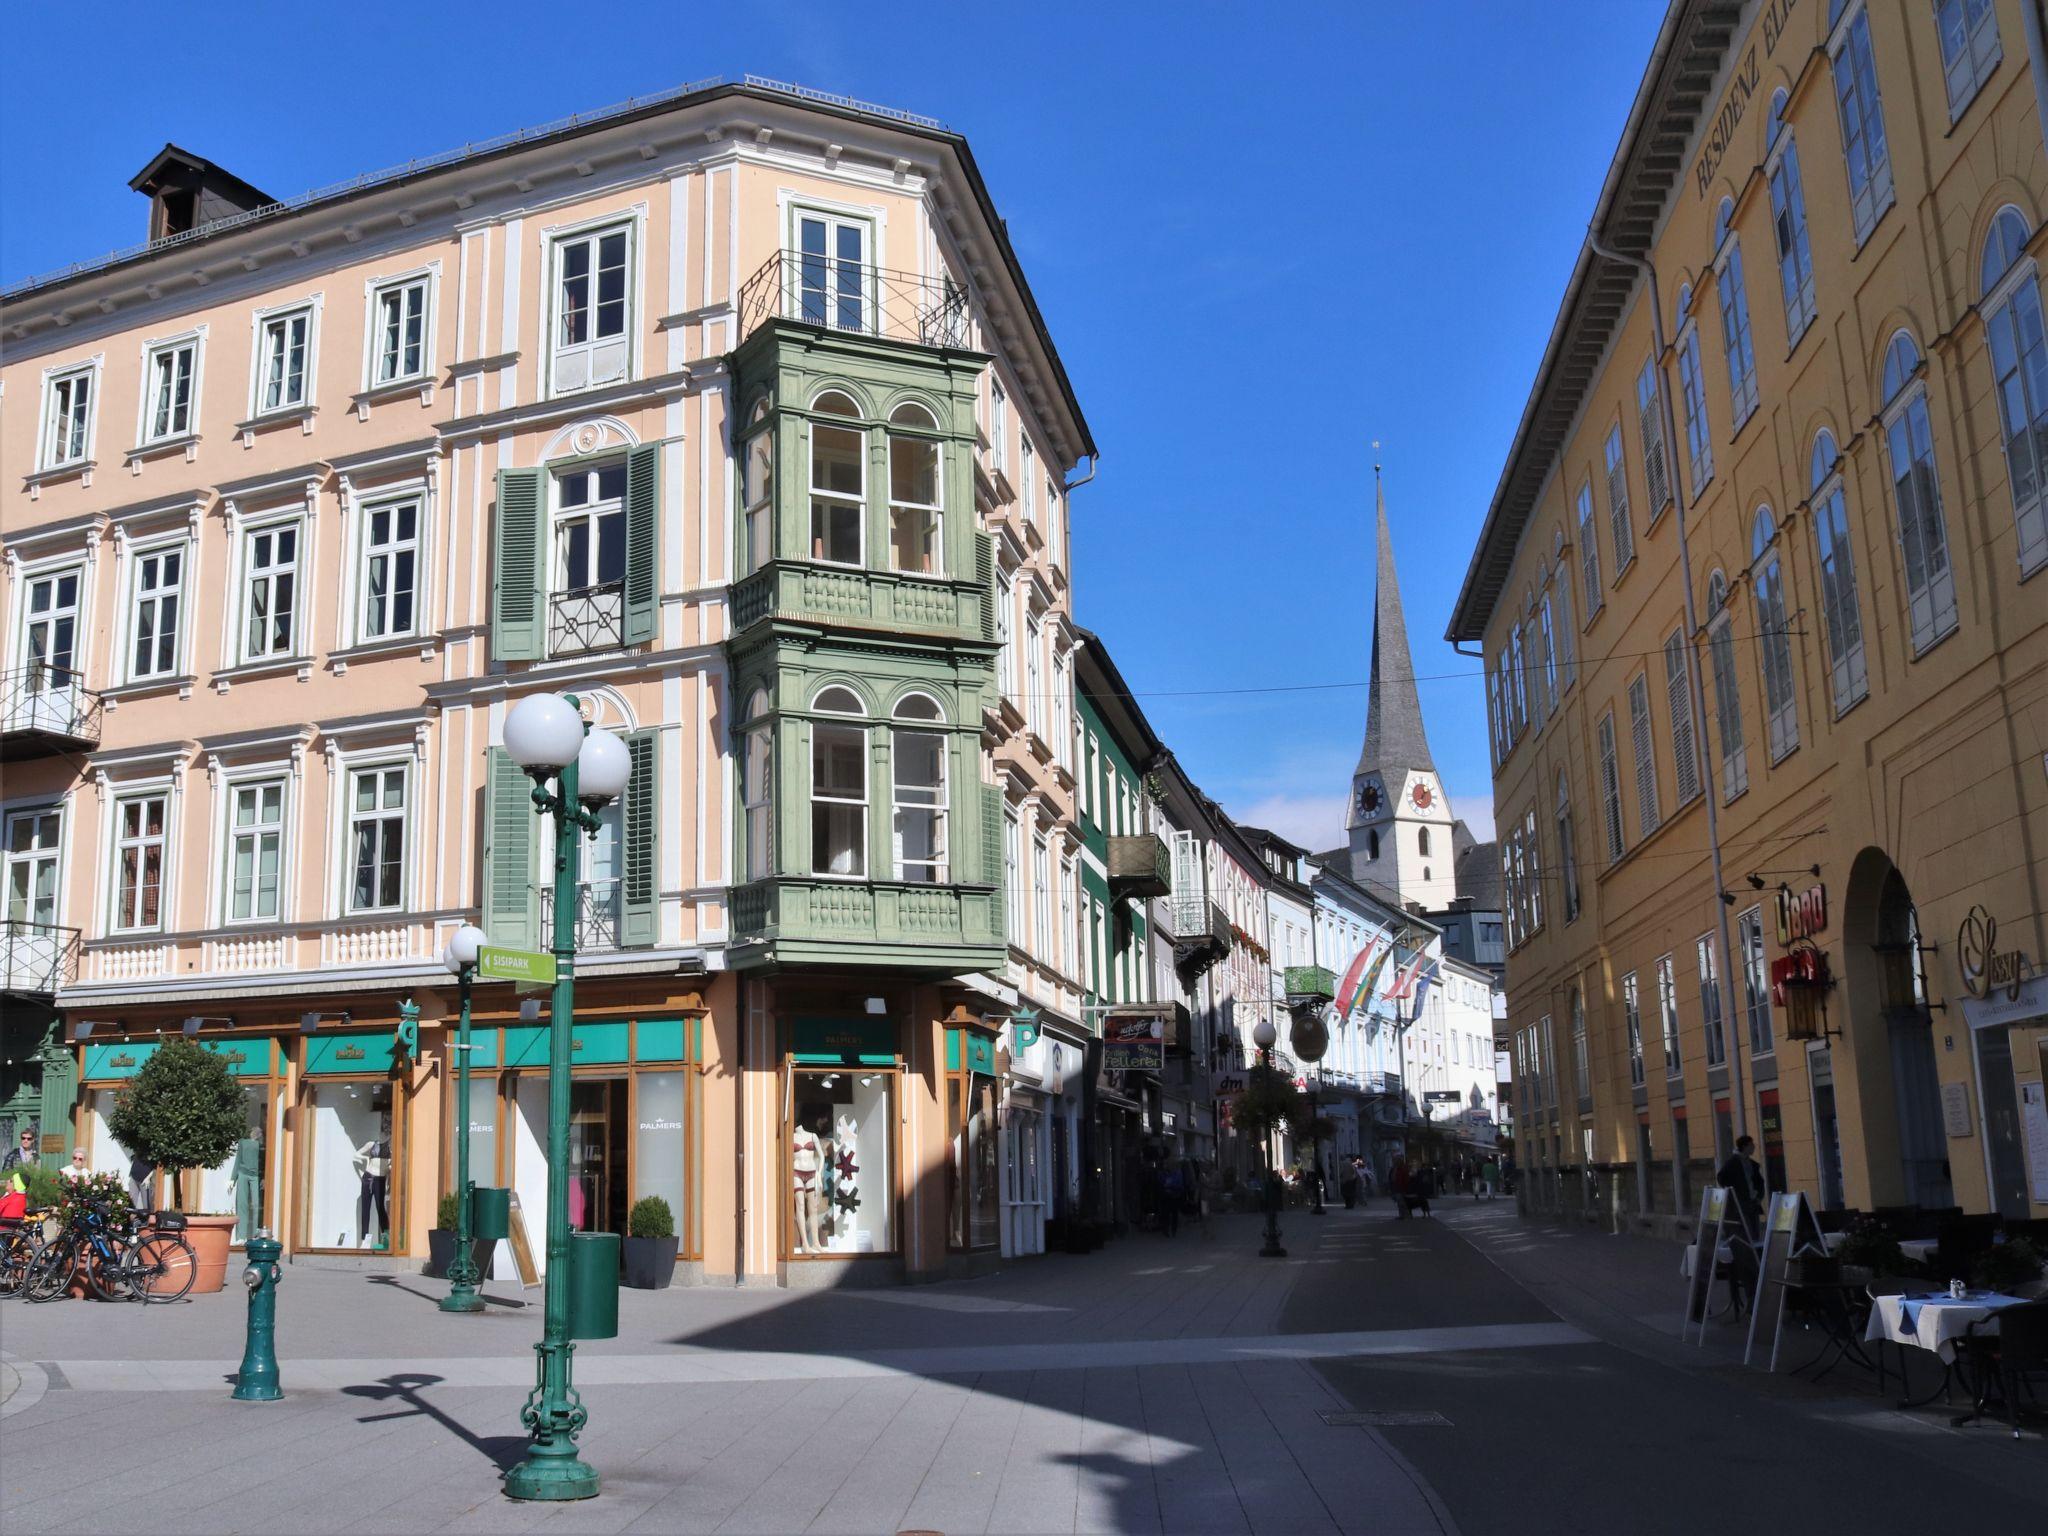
[93,369]
[313,305]
[373,289]
[195,338]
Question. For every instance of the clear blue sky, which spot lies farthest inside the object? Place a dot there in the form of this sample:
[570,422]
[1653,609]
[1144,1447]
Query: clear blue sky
[1262,236]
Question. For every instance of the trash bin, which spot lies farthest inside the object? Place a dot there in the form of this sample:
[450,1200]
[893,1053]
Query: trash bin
[490,1214]
[593,1285]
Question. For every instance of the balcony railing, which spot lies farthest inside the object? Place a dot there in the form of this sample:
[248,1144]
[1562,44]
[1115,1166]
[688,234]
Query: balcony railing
[822,290]
[1140,866]
[1309,983]
[37,958]
[598,910]
[46,709]
[587,619]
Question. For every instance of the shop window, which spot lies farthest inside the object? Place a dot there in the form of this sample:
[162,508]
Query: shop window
[839,1160]
[660,1103]
[240,1183]
[349,1166]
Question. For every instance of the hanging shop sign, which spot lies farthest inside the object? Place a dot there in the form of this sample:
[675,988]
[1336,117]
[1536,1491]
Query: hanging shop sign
[1800,981]
[1801,914]
[1985,967]
[1135,1043]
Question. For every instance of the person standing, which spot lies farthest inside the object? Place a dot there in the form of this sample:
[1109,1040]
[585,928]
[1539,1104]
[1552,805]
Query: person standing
[1745,1180]
[76,1168]
[1421,1185]
[1172,1190]
[141,1183]
[25,1153]
[1489,1179]
[1397,1186]
[1347,1183]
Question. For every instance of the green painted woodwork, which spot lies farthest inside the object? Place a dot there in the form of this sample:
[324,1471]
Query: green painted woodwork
[976,1049]
[601,1042]
[661,1040]
[801,625]
[483,1055]
[511,902]
[518,568]
[640,840]
[1311,981]
[1113,927]
[245,1058]
[863,1040]
[643,525]
[329,1055]
[113,1060]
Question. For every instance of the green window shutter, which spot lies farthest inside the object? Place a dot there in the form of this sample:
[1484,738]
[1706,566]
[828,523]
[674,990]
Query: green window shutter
[985,578]
[518,588]
[991,872]
[511,901]
[643,519]
[640,907]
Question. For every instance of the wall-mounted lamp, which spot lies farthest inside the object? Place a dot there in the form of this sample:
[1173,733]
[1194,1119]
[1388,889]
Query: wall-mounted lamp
[529,1010]
[192,1027]
[1756,882]
[198,1021]
[82,1029]
[878,1005]
[1727,898]
[309,1023]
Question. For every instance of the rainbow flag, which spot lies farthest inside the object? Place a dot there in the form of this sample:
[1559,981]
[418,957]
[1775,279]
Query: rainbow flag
[1356,989]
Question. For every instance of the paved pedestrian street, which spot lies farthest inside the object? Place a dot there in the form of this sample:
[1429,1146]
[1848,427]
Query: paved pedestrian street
[1476,1372]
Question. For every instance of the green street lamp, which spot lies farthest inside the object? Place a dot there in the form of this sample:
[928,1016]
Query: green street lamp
[461,958]
[1264,1036]
[547,736]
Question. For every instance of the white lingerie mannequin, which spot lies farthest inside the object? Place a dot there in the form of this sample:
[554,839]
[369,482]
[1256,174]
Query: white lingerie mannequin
[807,1154]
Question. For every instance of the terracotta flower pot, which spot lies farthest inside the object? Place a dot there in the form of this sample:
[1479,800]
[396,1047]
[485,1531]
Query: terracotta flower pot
[209,1237]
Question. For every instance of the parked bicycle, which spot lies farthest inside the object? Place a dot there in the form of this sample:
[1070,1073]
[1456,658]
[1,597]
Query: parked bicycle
[20,1238]
[122,1259]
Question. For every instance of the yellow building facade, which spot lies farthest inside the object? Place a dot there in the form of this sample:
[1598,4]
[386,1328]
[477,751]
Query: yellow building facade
[1763,601]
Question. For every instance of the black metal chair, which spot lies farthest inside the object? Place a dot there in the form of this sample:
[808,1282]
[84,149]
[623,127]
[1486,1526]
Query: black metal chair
[1958,1242]
[2016,1352]
[1888,1285]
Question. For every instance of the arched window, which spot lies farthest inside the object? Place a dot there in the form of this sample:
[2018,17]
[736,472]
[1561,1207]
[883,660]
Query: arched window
[1916,496]
[1727,696]
[1422,841]
[757,787]
[2011,301]
[913,490]
[839,787]
[1735,341]
[1861,106]
[1788,224]
[838,483]
[1849,678]
[1567,850]
[920,803]
[1774,646]
[1692,393]
[757,489]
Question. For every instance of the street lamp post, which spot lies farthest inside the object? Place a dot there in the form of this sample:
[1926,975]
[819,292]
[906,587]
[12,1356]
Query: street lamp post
[462,1296]
[546,735]
[1263,1036]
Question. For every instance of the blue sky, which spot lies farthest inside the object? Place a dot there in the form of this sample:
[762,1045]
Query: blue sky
[1263,238]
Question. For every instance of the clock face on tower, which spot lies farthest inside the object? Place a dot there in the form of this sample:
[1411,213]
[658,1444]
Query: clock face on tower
[1422,797]
[1369,797]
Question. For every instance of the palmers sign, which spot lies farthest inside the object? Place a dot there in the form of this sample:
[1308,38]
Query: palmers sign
[1742,85]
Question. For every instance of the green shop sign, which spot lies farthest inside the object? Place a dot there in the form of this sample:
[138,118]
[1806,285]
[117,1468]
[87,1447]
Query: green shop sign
[329,1055]
[590,1044]
[245,1058]
[112,1060]
[976,1050]
[866,1041]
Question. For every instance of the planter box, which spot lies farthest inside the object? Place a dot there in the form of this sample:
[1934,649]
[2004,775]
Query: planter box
[209,1237]
[648,1263]
[441,1254]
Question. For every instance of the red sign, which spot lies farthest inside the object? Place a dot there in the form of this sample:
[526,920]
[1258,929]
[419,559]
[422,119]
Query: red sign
[1803,915]
[1801,967]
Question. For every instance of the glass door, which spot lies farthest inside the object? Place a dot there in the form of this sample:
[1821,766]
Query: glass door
[832,271]
[31,937]
[49,652]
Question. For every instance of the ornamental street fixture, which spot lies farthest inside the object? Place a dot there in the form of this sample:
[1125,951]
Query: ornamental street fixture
[1263,1036]
[461,956]
[547,736]
[256,1381]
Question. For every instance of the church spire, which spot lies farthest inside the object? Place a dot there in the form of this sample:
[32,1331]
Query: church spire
[1394,738]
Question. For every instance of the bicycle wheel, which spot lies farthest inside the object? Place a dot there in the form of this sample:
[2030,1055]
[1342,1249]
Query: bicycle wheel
[49,1271]
[14,1262]
[110,1271]
[165,1267]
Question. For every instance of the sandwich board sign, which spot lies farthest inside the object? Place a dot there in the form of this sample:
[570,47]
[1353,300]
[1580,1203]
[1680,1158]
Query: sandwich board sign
[1706,1257]
[1791,1231]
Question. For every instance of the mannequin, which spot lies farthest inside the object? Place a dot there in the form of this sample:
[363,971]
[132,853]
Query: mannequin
[809,1152]
[373,1166]
[247,1173]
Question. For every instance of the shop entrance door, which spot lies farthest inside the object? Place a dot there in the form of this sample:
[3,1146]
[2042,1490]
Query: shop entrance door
[597,1153]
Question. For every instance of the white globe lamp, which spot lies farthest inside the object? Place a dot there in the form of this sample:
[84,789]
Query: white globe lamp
[1264,1034]
[543,732]
[602,767]
[464,946]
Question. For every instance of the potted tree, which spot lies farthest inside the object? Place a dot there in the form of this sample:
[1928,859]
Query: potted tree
[185,1110]
[441,1245]
[648,1255]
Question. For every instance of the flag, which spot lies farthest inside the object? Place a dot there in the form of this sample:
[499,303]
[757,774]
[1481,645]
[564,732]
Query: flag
[1352,974]
[1403,985]
[1356,992]
[1422,986]
[1373,973]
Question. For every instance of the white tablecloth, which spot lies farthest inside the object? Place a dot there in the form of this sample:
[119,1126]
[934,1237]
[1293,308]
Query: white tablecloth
[1722,1255]
[1937,1321]
[1919,1250]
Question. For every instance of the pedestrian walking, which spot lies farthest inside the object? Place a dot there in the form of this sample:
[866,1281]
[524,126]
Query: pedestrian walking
[1745,1180]
[1421,1185]
[1172,1190]
[1397,1185]
[1489,1179]
[1365,1180]
[1347,1183]
[24,1153]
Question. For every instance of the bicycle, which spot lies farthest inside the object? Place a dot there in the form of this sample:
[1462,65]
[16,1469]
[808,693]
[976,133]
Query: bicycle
[146,1263]
[19,1242]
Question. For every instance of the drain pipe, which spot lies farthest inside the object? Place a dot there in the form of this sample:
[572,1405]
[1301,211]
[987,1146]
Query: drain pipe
[1730,1052]
[2037,59]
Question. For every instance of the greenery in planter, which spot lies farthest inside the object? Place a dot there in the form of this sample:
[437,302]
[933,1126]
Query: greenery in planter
[45,1186]
[1870,1245]
[184,1109]
[1269,1101]
[2016,1261]
[651,1217]
[450,1213]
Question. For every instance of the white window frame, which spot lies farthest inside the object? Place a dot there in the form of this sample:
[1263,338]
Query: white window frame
[55,451]
[1790,236]
[857,426]
[183,546]
[1727,691]
[1650,429]
[233,787]
[1970,49]
[1034,676]
[117,843]
[365,552]
[1041,897]
[54,569]
[1667,1016]
[151,404]
[1678,700]
[426,281]
[1904,412]
[940,805]
[560,240]
[1610,791]
[1840,602]
[998,424]
[1632,1016]
[861,725]
[1774,644]
[1998,309]
[1617,503]
[1642,734]
[1710,998]
[1567,849]
[350,770]
[246,577]
[872,221]
[1849,47]
[1692,390]
[260,325]
[1589,553]
[757,787]
[1738,343]
[935,510]
[57,856]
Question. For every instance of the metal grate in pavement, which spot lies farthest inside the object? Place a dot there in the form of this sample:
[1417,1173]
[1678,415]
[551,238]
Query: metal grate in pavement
[1385,1418]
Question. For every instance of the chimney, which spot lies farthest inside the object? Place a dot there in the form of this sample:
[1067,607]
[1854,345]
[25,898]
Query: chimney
[187,193]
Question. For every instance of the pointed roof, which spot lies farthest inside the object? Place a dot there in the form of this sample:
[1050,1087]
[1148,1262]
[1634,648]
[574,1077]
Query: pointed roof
[1394,738]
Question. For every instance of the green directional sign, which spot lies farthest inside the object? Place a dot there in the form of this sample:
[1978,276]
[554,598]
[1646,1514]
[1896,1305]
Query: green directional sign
[528,967]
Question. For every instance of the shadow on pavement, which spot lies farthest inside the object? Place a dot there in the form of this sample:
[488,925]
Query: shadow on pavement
[397,1283]
[503,1451]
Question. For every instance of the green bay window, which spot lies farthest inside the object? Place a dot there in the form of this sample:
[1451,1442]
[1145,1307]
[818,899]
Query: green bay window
[914,541]
[838,483]
[839,788]
[920,795]
[757,490]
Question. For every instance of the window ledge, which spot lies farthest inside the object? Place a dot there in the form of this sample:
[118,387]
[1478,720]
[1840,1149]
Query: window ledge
[1792,347]
[1850,707]
[1929,648]
[369,650]
[1040,748]
[269,421]
[2029,572]
[1621,575]
[56,474]
[146,687]
[226,677]
[186,443]
[1657,514]
[1783,757]
[1877,222]
[397,389]
[478,365]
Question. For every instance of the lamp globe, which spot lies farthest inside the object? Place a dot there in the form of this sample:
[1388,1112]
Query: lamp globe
[543,732]
[602,768]
[1264,1034]
[464,946]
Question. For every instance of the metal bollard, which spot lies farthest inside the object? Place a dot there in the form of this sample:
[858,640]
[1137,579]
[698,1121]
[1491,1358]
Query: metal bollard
[257,1381]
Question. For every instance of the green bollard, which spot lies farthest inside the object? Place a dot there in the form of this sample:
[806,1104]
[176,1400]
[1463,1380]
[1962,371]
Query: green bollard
[257,1381]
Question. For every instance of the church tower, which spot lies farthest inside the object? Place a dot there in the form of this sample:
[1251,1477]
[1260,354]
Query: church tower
[1400,819]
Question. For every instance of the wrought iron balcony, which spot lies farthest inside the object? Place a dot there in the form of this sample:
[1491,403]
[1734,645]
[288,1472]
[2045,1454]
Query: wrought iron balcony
[36,958]
[1201,936]
[822,290]
[587,619]
[1140,866]
[46,710]
[598,912]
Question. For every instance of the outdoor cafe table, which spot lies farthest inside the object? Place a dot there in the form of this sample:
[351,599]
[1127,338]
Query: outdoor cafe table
[1932,1322]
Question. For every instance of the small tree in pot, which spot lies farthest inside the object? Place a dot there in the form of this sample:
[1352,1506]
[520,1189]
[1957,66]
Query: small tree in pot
[185,1110]
[441,1244]
[648,1255]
